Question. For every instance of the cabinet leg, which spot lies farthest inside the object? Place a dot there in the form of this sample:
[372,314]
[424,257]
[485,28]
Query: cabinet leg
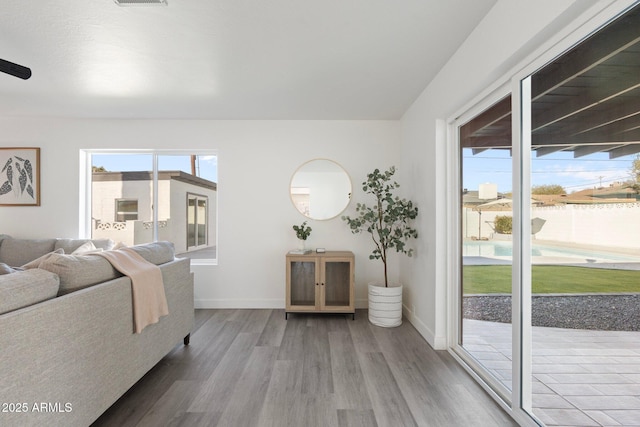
[286,316]
[353,316]
[186,339]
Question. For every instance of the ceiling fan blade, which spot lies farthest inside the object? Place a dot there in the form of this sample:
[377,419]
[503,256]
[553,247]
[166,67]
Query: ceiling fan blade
[15,69]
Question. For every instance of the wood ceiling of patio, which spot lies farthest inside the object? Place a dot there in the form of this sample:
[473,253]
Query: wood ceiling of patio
[585,101]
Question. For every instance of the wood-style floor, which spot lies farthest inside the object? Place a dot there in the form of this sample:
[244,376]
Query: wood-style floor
[254,368]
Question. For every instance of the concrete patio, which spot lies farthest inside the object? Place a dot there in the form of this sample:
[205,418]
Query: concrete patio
[580,378]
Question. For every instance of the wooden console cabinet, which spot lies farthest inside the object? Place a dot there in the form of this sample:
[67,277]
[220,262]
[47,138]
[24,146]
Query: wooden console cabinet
[320,283]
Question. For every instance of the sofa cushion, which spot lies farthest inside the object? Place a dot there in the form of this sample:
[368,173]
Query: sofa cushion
[79,271]
[16,252]
[70,245]
[24,288]
[156,253]
[36,262]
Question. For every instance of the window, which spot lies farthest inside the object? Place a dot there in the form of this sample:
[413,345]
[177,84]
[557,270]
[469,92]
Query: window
[143,196]
[126,210]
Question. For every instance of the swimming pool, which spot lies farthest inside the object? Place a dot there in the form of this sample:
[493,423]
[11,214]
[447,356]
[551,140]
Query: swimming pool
[541,252]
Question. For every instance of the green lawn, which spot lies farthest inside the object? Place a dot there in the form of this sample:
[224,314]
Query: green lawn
[549,279]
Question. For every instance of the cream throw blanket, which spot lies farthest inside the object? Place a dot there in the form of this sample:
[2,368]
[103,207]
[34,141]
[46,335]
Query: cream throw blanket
[147,287]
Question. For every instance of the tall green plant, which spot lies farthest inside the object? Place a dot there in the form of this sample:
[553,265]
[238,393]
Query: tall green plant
[387,220]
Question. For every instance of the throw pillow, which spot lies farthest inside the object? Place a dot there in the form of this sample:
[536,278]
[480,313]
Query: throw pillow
[16,252]
[79,271]
[36,262]
[86,249]
[118,245]
[5,269]
[70,245]
[156,252]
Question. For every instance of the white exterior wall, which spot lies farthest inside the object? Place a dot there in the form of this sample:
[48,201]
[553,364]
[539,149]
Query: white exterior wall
[172,210]
[165,210]
[104,194]
[476,225]
[613,225]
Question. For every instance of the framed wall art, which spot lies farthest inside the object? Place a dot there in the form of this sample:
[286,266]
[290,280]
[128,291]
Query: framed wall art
[19,176]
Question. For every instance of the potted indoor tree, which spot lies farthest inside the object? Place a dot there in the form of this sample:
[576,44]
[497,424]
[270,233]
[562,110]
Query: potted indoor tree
[388,223]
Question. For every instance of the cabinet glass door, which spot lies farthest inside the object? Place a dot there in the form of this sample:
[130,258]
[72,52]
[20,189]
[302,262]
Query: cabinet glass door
[303,283]
[336,283]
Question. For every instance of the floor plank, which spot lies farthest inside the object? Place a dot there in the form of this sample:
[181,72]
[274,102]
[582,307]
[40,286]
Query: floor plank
[273,332]
[317,376]
[389,404]
[215,391]
[349,384]
[247,399]
[171,406]
[284,388]
[356,418]
[254,368]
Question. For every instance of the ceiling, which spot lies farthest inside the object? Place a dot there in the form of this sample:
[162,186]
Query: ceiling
[585,101]
[228,59]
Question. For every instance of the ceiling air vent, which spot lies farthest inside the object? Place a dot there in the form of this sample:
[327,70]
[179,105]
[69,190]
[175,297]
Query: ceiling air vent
[141,2]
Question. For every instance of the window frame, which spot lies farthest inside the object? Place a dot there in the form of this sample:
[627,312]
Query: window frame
[85,197]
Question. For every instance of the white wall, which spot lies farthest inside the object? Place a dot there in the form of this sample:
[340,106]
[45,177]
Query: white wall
[256,158]
[613,224]
[509,32]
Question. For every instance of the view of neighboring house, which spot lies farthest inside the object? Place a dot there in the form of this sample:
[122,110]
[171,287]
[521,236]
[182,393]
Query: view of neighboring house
[122,209]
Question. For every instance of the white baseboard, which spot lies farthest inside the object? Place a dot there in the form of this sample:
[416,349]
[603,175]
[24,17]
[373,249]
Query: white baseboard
[276,303]
[437,342]
[362,303]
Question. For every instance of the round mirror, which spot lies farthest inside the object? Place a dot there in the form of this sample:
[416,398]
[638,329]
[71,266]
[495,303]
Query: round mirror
[320,189]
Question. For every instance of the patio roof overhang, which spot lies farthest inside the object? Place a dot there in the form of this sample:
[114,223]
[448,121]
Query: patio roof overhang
[585,101]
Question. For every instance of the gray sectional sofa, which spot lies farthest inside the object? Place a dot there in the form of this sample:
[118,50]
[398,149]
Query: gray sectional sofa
[67,346]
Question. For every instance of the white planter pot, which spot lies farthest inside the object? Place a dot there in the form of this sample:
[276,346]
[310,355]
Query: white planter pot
[385,305]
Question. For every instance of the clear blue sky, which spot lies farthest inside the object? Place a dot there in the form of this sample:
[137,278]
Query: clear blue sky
[207,166]
[494,166]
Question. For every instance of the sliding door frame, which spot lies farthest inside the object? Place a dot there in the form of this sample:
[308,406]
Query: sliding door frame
[454,252]
[517,81]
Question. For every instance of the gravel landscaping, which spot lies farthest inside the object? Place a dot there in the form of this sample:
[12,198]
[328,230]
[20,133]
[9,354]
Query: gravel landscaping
[595,312]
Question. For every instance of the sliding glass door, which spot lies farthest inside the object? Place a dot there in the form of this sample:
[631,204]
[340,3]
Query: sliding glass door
[486,244]
[584,138]
[549,232]
[196,221]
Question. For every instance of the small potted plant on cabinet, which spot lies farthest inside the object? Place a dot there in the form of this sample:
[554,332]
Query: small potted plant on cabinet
[303,231]
[388,222]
